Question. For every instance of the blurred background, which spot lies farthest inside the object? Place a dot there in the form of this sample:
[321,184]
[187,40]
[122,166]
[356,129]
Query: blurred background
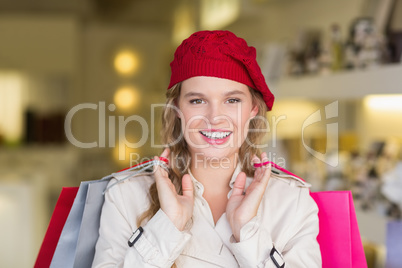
[81,80]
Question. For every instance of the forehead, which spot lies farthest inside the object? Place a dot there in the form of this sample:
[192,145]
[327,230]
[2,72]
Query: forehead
[212,85]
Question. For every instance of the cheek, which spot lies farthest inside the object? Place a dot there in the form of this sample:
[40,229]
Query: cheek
[245,120]
[245,128]
[191,122]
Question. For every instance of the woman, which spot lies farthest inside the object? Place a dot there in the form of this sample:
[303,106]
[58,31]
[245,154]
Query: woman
[210,207]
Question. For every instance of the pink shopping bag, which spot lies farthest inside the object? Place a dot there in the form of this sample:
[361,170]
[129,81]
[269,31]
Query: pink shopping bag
[339,236]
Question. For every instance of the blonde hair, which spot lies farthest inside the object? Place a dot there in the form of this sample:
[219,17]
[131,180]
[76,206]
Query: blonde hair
[179,154]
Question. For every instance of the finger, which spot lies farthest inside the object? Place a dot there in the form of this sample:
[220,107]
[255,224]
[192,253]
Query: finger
[265,164]
[255,159]
[156,167]
[265,170]
[165,153]
[158,177]
[187,186]
[164,157]
[267,175]
[240,183]
[159,172]
[258,165]
[264,158]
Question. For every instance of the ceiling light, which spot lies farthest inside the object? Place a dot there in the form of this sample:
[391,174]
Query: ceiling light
[126,98]
[126,62]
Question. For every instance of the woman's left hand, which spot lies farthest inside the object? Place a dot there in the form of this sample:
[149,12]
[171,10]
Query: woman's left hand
[243,206]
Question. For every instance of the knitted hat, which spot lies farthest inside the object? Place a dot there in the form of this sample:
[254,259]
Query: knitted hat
[219,54]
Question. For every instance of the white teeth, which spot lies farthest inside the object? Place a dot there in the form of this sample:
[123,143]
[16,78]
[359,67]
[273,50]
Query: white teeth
[215,135]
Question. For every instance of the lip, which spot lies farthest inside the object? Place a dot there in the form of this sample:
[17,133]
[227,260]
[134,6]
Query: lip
[216,141]
[215,130]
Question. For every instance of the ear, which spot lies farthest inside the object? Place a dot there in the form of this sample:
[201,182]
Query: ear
[254,111]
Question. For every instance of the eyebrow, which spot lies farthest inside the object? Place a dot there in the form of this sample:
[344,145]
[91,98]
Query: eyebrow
[199,94]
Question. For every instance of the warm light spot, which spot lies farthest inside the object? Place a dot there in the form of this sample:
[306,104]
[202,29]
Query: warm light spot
[126,98]
[126,62]
[381,117]
[183,23]
[384,102]
[217,14]
[11,106]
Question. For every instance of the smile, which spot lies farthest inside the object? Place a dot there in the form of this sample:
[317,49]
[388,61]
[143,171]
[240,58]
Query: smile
[216,135]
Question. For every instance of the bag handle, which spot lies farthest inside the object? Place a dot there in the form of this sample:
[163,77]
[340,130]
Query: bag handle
[278,168]
[137,170]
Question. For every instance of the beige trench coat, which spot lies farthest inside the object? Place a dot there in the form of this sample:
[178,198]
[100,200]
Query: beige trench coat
[287,220]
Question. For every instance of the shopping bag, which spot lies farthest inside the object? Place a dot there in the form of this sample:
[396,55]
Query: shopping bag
[76,246]
[339,235]
[77,241]
[56,224]
[393,243]
[90,224]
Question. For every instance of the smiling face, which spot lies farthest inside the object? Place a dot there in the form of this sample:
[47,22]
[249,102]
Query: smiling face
[215,114]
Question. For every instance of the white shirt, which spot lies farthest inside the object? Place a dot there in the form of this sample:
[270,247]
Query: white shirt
[286,219]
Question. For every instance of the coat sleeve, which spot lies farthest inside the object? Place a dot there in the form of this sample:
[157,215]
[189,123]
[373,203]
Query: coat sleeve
[301,250]
[159,245]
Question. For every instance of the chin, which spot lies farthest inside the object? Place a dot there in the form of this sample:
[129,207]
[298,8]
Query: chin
[215,154]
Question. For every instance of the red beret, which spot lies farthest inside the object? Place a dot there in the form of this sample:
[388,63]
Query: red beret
[219,54]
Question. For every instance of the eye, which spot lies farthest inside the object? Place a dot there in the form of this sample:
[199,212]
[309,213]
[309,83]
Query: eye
[197,101]
[233,100]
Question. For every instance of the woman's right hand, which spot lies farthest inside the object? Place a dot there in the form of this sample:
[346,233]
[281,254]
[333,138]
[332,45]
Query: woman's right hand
[179,208]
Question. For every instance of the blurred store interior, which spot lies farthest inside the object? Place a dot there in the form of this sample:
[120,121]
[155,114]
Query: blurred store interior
[79,81]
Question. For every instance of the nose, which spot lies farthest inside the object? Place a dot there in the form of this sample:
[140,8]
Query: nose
[216,114]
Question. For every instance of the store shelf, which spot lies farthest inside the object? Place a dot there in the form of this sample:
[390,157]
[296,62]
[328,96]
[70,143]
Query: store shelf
[343,85]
